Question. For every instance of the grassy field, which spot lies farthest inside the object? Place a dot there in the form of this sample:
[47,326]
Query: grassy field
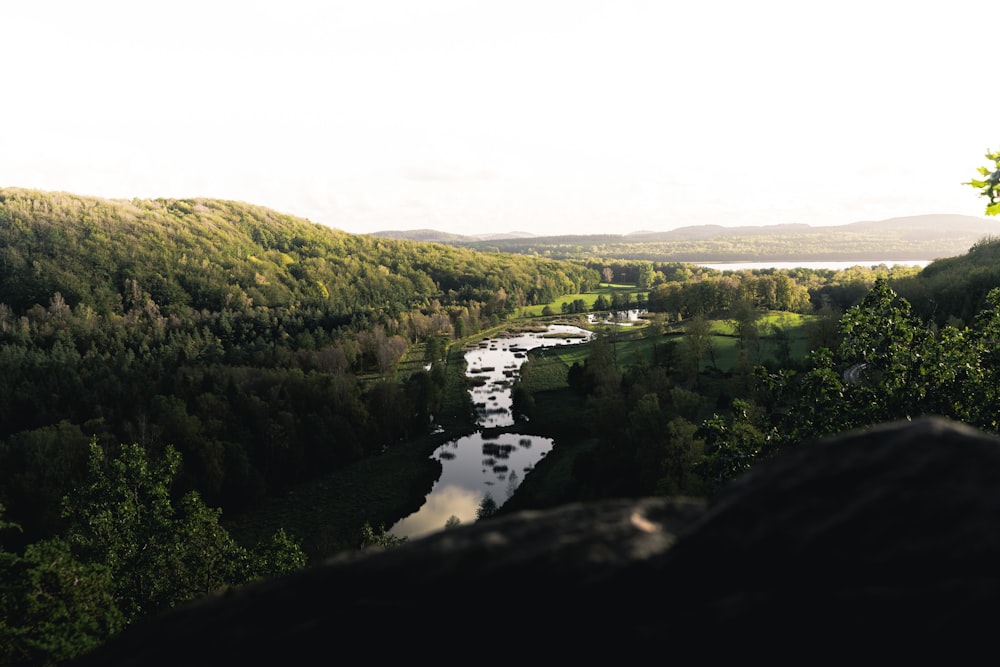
[726,344]
[588,298]
[326,515]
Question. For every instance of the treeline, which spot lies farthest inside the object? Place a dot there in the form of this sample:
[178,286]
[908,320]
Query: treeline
[824,244]
[683,290]
[263,347]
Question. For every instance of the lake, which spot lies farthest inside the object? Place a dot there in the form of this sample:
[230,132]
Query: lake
[836,266]
[484,463]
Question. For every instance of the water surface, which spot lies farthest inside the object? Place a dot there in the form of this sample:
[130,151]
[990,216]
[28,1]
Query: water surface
[485,463]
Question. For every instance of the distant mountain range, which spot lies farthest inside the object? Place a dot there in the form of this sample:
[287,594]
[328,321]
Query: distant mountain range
[921,237]
[918,224]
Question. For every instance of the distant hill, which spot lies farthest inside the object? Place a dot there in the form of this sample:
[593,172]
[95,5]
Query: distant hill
[694,232]
[921,237]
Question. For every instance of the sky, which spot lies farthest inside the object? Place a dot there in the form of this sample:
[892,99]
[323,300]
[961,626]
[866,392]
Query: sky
[541,116]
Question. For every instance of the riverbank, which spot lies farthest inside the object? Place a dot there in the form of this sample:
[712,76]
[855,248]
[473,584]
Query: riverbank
[327,515]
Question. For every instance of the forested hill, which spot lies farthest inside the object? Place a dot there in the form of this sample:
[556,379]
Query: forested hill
[209,254]
[264,347]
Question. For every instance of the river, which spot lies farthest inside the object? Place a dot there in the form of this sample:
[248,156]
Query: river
[481,464]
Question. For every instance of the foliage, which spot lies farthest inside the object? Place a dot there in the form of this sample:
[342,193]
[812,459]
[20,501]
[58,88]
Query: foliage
[159,552]
[890,365]
[130,551]
[53,607]
[989,184]
[380,539]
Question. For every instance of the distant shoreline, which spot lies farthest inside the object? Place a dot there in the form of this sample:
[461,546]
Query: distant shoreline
[811,264]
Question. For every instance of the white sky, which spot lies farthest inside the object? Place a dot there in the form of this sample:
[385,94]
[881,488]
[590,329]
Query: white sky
[544,116]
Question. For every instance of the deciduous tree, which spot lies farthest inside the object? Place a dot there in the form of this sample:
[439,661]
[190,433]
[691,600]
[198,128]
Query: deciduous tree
[123,517]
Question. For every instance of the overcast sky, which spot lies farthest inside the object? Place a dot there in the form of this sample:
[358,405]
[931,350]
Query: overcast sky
[544,116]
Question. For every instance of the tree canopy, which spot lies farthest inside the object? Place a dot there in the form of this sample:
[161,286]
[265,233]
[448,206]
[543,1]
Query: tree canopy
[130,550]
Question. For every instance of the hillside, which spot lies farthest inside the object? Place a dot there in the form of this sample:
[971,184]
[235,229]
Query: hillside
[954,289]
[264,346]
[203,253]
[908,238]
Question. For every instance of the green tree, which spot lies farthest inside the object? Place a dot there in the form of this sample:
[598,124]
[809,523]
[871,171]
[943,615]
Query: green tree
[53,607]
[734,443]
[123,518]
[644,279]
[989,184]
[743,317]
[697,342]
[890,347]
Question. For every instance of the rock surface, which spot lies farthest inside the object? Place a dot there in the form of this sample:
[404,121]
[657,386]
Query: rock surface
[882,542]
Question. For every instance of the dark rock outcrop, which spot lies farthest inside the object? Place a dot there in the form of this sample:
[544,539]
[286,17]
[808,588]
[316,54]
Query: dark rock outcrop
[882,542]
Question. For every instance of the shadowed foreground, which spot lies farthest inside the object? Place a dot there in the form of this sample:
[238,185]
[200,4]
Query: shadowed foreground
[880,541]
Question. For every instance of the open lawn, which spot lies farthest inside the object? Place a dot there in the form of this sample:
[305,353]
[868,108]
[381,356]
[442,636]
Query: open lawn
[725,348]
[588,298]
[632,345]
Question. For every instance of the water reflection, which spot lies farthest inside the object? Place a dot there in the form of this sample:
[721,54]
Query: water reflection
[494,364]
[444,502]
[471,467]
[482,464]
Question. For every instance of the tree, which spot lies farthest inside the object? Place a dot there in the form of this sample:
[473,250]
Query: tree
[744,316]
[735,443]
[893,345]
[645,278]
[649,439]
[989,185]
[487,507]
[380,539]
[123,518]
[52,606]
[55,607]
[697,341]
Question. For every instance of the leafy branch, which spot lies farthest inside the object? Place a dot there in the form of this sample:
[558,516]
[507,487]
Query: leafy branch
[990,183]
